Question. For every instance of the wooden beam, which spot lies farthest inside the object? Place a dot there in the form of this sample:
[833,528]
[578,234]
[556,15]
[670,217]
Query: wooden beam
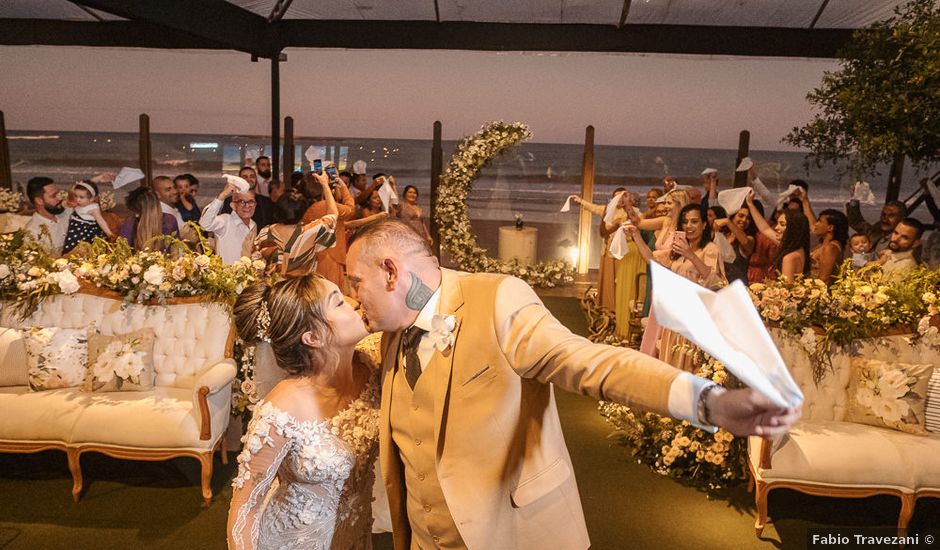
[275,121]
[894,178]
[458,35]
[145,150]
[289,151]
[6,175]
[587,193]
[437,168]
[215,20]
[822,8]
[134,34]
[744,145]
[624,14]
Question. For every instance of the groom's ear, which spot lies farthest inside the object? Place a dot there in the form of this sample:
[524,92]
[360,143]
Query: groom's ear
[390,271]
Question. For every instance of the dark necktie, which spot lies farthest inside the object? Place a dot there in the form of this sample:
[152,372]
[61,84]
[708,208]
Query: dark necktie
[409,351]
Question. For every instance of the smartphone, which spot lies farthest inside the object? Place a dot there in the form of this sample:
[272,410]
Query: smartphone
[318,166]
[331,171]
[680,236]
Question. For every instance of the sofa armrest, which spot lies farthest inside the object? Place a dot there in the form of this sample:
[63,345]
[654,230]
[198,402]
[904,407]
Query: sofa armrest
[211,380]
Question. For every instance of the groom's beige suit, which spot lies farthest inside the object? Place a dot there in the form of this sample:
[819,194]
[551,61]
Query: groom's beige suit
[497,455]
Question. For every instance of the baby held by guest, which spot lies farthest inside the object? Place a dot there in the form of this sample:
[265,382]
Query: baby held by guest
[86,221]
[860,246]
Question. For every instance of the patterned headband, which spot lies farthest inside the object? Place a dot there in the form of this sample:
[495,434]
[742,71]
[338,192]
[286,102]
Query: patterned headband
[86,186]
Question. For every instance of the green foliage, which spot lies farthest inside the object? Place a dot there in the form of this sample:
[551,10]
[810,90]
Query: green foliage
[885,98]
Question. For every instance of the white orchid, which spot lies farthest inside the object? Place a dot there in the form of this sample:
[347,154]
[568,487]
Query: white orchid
[441,334]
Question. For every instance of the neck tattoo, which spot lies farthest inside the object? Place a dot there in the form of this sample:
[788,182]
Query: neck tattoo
[418,295]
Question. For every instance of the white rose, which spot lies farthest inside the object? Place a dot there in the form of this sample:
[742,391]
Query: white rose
[154,275]
[34,272]
[67,282]
[4,271]
[202,261]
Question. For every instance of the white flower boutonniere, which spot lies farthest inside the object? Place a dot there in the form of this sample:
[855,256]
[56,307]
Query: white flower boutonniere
[441,334]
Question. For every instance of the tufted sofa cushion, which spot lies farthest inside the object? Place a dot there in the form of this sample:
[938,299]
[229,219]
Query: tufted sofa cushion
[189,336]
[46,416]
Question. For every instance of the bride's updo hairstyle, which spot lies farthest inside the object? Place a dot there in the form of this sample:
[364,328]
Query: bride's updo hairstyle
[281,314]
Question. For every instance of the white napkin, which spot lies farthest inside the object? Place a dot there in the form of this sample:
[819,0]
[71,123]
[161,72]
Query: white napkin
[863,194]
[567,206]
[387,195]
[128,175]
[103,177]
[725,250]
[311,154]
[746,164]
[726,325]
[733,199]
[359,167]
[611,211]
[618,244]
[786,194]
[708,171]
[239,182]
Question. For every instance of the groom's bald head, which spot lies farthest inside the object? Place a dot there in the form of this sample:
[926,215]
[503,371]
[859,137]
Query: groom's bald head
[391,271]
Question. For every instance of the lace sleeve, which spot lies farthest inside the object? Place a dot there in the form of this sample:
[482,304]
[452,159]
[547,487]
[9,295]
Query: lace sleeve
[265,444]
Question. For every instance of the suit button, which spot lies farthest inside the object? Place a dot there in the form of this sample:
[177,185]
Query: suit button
[436,539]
[418,442]
[421,477]
[414,407]
[427,508]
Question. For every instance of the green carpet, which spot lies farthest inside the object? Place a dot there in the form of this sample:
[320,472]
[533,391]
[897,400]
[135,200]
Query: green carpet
[158,504]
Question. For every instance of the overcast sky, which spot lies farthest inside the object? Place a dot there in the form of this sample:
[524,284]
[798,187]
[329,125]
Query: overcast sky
[631,99]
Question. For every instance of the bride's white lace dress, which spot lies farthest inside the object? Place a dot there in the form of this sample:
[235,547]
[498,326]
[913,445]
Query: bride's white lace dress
[323,494]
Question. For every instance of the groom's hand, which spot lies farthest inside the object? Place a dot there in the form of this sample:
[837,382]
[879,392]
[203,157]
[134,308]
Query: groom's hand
[746,412]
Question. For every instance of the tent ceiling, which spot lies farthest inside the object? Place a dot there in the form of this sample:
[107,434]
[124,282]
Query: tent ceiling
[796,28]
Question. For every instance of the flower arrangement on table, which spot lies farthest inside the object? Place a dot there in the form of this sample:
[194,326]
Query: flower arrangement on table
[10,201]
[677,449]
[474,153]
[860,304]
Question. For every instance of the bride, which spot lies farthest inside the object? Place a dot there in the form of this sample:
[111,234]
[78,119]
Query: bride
[316,431]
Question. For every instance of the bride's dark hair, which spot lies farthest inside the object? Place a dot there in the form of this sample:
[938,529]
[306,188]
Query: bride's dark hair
[292,307]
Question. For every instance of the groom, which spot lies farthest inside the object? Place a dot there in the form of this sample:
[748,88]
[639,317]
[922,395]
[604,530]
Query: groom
[471,446]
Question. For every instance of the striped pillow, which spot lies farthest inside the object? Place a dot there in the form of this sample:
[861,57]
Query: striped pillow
[933,402]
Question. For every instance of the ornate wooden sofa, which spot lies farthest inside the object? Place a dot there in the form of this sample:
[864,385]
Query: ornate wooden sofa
[825,456]
[185,414]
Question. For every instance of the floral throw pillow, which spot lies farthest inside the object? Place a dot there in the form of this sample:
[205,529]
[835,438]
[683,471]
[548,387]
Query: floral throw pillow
[888,395]
[55,357]
[122,362]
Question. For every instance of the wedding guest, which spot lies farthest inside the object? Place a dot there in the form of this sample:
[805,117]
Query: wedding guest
[234,232]
[899,257]
[50,214]
[832,230]
[318,428]
[263,169]
[186,187]
[470,443]
[369,209]
[651,197]
[740,233]
[148,221]
[359,183]
[606,292]
[264,207]
[86,222]
[411,213]
[791,234]
[331,262]
[879,234]
[860,245]
[169,197]
[289,246]
[760,266]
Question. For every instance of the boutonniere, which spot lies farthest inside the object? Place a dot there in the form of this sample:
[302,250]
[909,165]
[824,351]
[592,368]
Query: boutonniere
[441,334]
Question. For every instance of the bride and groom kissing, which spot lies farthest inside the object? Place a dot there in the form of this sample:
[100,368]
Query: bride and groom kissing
[461,411]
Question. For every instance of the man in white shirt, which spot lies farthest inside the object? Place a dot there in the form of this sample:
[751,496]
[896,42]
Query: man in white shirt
[43,194]
[235,232]
[166,191]
[263,168]
[898,257]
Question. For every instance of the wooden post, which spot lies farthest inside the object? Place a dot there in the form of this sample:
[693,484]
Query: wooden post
[437,168]
[6,176]
[288,148]
[744,145]
[275,119]
[145,149]
[894,178]
[587,193]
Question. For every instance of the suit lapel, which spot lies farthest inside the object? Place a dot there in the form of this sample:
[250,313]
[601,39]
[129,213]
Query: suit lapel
[388,453]
[451,303]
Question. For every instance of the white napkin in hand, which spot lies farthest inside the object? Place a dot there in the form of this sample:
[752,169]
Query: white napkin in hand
[359,167]
[127,175]
[726,325]
[783,197]
[733,199]
[746,164]
[725,250]
[862,193]
[311,154]
[387,195]
[567,206]
[239,182]
[611,211]
[618,244]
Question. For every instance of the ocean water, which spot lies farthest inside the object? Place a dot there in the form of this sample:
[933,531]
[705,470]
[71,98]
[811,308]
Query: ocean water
[533,179]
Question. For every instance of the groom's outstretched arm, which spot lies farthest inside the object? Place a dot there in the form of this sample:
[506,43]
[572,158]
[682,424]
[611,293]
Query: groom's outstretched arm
[538,346]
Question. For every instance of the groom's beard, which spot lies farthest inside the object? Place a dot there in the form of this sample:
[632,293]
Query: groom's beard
[55,210]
